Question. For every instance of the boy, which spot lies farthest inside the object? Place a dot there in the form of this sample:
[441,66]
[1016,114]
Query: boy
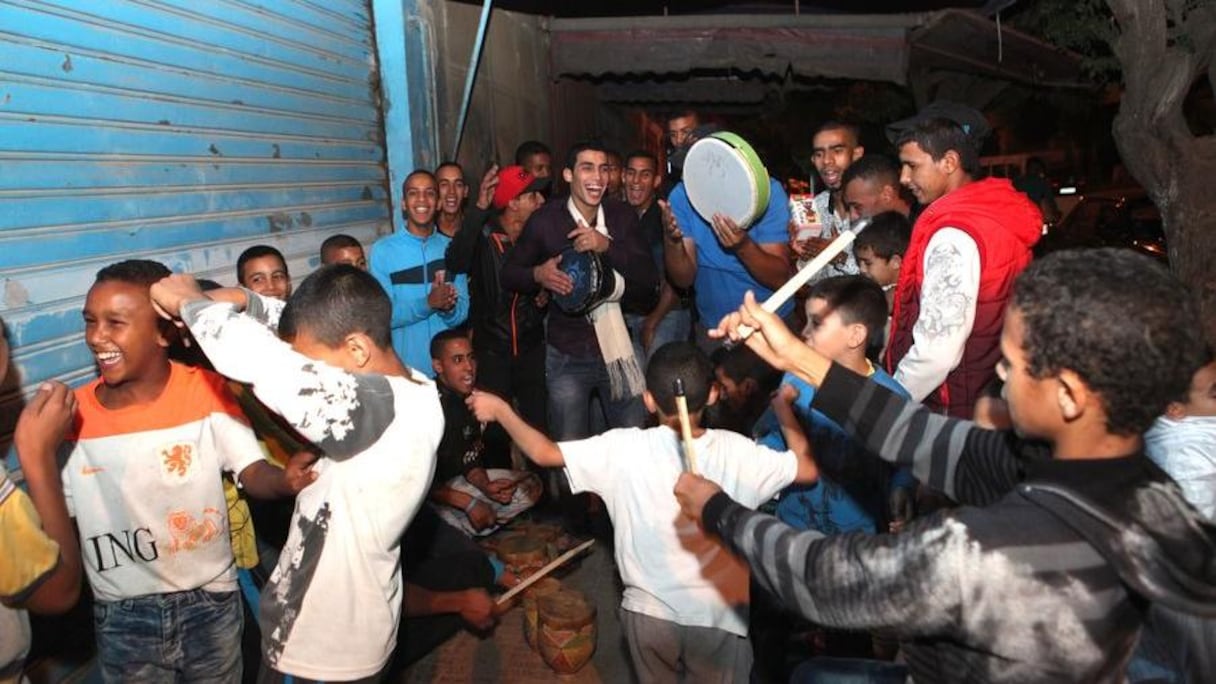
[880,250]
[343,249]
[263,269]
[331,608]
[1183,441]
[143,480]
[745,384]
[473,490]
[685,603]
[1028,580]
[846,315]
[410,266]
[41,568]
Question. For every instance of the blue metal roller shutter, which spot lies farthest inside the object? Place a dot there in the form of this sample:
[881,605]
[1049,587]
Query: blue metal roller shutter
[177,130]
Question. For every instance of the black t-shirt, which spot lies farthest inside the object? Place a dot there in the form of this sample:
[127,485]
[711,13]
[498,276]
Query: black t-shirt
[466,444]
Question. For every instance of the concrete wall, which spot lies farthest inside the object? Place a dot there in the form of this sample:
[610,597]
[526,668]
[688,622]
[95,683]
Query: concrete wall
[510,101]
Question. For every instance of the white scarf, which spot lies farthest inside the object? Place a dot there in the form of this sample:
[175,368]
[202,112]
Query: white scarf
[1186,449]
[624,374]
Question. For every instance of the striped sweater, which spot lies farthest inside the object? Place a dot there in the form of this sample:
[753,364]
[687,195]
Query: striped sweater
[998,590]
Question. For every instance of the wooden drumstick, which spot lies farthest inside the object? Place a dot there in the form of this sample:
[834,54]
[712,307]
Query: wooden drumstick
[553,565]
[821,260]
[685,425]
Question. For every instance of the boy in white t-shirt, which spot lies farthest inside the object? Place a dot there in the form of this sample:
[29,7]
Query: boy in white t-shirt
[684,610]
[331,609]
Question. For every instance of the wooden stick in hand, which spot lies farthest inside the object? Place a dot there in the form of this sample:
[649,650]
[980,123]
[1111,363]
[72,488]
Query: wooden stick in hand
[553,565]
[685,425]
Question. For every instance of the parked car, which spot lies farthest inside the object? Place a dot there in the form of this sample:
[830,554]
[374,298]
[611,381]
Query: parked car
[1109,220]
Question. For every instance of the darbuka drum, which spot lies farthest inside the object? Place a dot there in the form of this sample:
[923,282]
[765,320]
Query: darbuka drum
[566,630]
[524,554]
[723,175]
[593,282]
[543,587]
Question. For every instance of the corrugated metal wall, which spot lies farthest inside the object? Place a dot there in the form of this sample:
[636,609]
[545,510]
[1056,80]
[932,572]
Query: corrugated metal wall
[177,130]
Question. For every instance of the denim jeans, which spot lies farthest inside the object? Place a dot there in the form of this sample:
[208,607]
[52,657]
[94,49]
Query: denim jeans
[572,381]
[185,636]
[676,326]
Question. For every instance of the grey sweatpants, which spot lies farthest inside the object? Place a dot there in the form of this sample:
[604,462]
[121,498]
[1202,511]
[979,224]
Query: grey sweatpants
[663,651]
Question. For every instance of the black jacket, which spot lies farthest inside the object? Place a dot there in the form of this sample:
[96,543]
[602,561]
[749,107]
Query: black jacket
[504,322]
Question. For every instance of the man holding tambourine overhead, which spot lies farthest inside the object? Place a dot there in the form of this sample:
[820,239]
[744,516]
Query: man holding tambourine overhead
[727,228]
[588,251]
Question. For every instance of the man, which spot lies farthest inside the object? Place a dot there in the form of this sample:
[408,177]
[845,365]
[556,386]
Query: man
[870,186]
[681,134]
[671,318]
[587,354]
[409,266]
[968,244]
[535,157]
[834,147]
[452,193]
[721,261]
[508,328]
[468,491]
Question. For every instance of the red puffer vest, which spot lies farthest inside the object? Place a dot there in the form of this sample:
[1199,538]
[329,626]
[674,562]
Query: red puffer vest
[1004,225]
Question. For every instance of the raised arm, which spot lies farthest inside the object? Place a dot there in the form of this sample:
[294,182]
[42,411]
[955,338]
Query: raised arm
[971,465]
[533,443]
[340,412]
[465,243]
[795,436]
[679,252]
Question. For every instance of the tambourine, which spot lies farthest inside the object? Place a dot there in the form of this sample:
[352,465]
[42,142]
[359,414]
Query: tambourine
[723,175]
[593,282]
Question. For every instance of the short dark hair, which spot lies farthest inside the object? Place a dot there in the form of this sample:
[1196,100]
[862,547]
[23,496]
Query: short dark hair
[642,154]
[418,172]
[937,137]
[339,241]
[580,147]
[682,360]
[857,299]
[886,235]
[441,339]
[256,252]
[530,148]
[447,163]
[876,168]
[741,363]
[681,113]
[1120,321]
[852,129]
[143,272]
[335,301]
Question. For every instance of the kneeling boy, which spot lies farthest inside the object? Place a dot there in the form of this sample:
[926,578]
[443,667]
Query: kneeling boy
[685,604]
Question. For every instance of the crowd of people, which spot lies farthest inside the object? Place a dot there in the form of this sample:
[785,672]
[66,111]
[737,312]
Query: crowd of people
[962,466]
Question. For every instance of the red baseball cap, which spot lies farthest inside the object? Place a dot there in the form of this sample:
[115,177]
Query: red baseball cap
[514,181]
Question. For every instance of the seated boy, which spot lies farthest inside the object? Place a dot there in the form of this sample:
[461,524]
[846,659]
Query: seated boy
[684,609]
[143,480]
[1030,579]
[467,492]
[41,567]
[331,608]
[263,269]
[343,249]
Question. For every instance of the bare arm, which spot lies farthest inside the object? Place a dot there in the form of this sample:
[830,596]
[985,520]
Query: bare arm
[535,445]
[474,605]
[769,263]
[265,481]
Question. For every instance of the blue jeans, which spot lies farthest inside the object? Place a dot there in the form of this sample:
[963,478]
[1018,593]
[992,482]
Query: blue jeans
[676,326]
[572,381]
[827,670]
[186,636]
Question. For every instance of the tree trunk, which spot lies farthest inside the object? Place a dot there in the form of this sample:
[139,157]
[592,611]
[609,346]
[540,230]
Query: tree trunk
[1175,167]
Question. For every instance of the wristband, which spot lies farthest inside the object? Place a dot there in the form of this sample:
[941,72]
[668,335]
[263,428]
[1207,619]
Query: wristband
[469,506]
